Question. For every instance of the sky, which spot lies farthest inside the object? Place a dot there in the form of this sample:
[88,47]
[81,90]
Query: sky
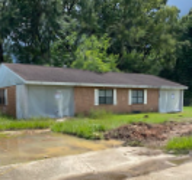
[183,5]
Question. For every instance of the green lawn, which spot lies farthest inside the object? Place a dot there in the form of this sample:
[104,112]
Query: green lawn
[92,128]
[8,123]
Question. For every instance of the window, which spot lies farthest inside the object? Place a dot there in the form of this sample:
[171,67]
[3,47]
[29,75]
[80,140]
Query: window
[2,96]
[137,96]
[106,96]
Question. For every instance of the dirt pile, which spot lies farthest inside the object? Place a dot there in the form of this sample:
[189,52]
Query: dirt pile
[143,132]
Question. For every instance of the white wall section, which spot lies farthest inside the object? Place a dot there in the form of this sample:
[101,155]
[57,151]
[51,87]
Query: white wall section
[170,101]
[41,101]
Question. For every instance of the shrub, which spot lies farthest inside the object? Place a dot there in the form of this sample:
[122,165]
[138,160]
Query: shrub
[100,113]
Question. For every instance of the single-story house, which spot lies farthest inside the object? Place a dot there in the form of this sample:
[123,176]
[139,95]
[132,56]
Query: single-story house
[31,91]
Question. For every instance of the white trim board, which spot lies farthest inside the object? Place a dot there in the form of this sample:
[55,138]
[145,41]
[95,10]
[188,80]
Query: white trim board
[100,85]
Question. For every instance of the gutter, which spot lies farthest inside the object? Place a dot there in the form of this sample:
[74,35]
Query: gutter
[101,85]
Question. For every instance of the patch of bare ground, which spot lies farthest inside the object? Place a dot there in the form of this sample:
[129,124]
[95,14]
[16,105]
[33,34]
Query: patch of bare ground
[153,135]
[20,132]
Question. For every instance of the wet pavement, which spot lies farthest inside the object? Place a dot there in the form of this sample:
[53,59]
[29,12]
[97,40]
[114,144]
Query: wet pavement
[117,163]
[26,146]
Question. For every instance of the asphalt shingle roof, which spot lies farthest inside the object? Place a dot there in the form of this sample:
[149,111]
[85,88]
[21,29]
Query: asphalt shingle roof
[68,75]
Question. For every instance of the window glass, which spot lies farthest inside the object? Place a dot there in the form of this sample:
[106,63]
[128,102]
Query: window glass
[140,100]
[134,93]
[2,96]
[140,93]
[102,93]
[109,100]
[134,100]
[109,93]
[101,100]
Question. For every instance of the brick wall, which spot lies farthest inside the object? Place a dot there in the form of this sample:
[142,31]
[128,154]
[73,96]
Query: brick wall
[84,101]
[10,109]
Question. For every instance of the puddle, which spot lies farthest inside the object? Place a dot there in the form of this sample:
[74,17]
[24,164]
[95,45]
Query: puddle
[29,146]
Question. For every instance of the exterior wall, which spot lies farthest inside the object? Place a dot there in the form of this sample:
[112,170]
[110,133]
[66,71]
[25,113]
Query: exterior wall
[10,109]
[84,101]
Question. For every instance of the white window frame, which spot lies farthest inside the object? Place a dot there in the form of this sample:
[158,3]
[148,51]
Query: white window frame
[130,97]
[96,97]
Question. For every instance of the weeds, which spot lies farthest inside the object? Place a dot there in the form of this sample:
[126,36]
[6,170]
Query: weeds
[90,130]
[180,145]
[91,127]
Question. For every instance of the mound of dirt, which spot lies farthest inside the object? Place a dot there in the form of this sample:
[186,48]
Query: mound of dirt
[143,132]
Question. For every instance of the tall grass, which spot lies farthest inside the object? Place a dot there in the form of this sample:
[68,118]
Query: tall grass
[180,144]
[91,127]
[8,123]
[83,129]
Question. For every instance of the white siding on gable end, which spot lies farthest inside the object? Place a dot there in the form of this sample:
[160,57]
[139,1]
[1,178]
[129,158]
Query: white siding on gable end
[114,96]
[9,78]
[96,97]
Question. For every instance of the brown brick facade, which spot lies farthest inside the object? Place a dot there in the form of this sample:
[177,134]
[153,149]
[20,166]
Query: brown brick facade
[84,101]
[10,109]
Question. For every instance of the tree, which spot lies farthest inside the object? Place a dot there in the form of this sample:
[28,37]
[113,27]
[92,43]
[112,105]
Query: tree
[182,71]
[92,55]
[36,30]
[142,33]
[8,16]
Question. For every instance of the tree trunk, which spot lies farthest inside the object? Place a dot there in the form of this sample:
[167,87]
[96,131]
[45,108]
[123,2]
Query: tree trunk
[1,53]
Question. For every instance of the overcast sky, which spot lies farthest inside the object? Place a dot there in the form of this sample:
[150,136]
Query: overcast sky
[183,5]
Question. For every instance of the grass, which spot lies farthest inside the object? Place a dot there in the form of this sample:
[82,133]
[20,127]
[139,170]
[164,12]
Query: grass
[93,127]
[8,123]
[180,145]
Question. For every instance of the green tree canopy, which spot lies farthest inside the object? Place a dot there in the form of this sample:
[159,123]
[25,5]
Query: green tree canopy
[92,55]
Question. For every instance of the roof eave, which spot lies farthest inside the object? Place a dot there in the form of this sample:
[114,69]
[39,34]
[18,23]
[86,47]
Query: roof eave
[102,85]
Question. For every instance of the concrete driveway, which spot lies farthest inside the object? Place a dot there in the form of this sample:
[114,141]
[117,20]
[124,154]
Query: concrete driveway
[182,172]
[112,164]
